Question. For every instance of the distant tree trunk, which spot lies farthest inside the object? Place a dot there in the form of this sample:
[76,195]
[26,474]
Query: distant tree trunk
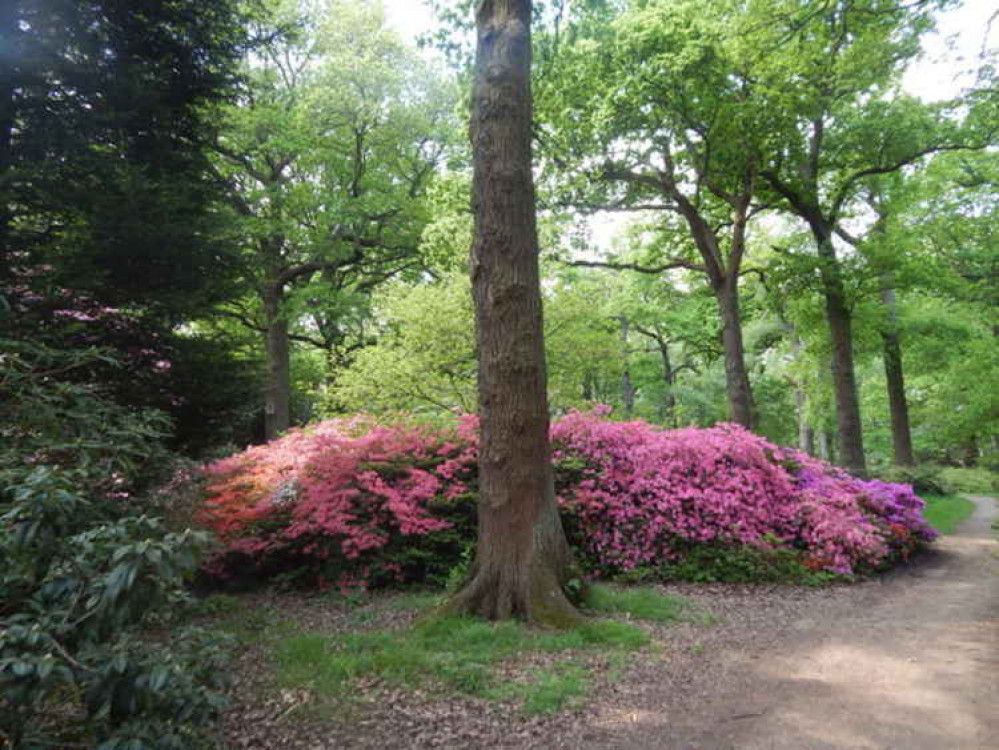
[825,446]
[627,387]
[523,563]
[840,321]
[277,403]
[891,339]
[669,378]
[806,435]
[970,452]
[740,395]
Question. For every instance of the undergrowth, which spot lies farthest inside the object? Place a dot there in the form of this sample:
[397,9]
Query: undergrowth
[540,671]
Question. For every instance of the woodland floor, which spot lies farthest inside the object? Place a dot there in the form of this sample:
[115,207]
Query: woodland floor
[906,662]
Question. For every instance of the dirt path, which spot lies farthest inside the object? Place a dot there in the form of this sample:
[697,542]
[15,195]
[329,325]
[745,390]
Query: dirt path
[910,663]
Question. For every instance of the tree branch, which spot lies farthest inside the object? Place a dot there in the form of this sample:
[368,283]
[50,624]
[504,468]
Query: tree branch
[673,264]
[843,193]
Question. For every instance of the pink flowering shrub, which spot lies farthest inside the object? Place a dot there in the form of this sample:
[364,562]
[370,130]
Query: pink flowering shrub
[642,496]
[347,501]
[353,502]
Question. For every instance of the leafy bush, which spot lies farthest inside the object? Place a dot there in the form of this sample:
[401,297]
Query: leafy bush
[956,479]
[924,478]
[348,501]
[86,580]
[934,479]
[356,503]
[990,460]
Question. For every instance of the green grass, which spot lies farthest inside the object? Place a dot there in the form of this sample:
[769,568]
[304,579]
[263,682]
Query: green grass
[945,512]
[639,603]
[547,690]
[456,654]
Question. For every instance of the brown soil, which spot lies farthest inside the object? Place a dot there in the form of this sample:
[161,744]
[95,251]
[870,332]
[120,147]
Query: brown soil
[907,662]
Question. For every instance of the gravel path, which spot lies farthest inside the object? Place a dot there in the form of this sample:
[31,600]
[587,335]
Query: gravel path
[906,662]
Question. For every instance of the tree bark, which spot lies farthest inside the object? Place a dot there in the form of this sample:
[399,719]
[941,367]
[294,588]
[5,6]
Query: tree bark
[740,395]
[840,321]
[523,564]
[669,377]
[277,403]
[627,386]
[901,433]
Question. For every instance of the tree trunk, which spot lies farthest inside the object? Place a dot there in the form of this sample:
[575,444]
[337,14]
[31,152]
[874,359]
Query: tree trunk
[669,377]
[825,446]
[740,395]
[839,318]
[522,564]
[806,435]
[627,387]
[901,434]
[970,452]
[277,405]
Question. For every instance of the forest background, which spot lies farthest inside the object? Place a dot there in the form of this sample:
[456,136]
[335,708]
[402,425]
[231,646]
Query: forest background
[217,224]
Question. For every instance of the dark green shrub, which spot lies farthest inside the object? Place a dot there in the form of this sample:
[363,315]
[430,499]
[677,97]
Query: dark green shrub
[89,585]
[924,478]
[728,563]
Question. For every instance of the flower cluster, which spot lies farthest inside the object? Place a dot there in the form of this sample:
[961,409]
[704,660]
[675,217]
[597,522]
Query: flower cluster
[347,500]
[354,500]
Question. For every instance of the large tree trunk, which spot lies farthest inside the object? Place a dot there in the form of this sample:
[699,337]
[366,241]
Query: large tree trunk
[901,434]
[740,395]
[277,403]
[627,386]
[522,564]
[840,320]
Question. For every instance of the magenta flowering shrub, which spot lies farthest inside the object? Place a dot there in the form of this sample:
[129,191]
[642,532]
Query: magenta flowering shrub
[354,502]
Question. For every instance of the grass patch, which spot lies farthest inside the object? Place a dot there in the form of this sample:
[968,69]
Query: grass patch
[945,512]
[554,690]
[547,690]
[456,654]
[639,603]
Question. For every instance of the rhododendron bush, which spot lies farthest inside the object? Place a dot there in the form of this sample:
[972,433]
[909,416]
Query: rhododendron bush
[354,502]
